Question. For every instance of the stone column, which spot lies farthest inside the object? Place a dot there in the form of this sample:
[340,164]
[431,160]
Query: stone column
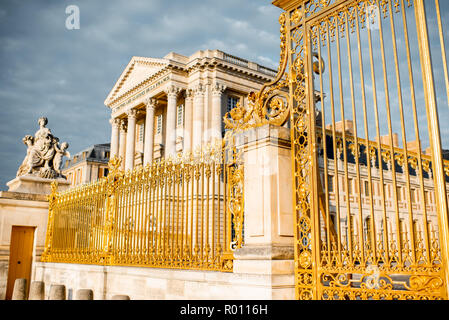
[115,123]
[198,116]
[122,144]
[188,120]
[268,212]
[130,139]
[149,131]
[206,110]
[170,132]
[217,92]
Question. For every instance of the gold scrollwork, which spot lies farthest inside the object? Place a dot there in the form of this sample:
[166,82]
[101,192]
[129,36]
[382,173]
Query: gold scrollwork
[425,283]
[336,280]
[315,6]
[376,280]
[306,294]
[305,259]
[236,206]
[270,103]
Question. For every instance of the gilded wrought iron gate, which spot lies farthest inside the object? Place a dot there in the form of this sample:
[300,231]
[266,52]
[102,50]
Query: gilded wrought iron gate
[364,86]
[370,180]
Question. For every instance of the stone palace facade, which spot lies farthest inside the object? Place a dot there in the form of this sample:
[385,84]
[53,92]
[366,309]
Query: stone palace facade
[88,165]
[160,107]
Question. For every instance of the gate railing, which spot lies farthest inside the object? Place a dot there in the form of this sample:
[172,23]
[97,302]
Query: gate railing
[182,213]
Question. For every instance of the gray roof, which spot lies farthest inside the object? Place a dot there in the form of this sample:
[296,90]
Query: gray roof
[95,153]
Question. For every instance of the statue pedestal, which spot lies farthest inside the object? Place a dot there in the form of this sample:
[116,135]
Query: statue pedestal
[35,185]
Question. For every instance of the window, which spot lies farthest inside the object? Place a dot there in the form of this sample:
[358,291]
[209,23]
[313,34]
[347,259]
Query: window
[350,183]
[330,183]
[428,196]
[141,132]
[416,231]
[412,195]
[387,193]
[159,124]
[78,176]
[107,154]
[366,185]
[333,218]
[402,231]
[102,172]
[353,225]
[399,193]
[232,103]
[368,229]
[180,115]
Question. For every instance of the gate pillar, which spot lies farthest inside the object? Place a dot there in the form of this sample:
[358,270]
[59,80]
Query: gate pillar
[268,215]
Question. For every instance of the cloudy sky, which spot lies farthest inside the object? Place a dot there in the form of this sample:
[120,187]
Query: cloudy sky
[48,70]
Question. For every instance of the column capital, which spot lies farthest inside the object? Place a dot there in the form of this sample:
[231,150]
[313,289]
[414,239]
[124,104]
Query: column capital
[131,113]
[188,94]
[123,125]
[172,90]
[150,103]
[218,89]
[115,122]
[199,89]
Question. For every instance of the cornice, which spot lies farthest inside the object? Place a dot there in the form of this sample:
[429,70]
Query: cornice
[243,75]
[201,63]
[223,65]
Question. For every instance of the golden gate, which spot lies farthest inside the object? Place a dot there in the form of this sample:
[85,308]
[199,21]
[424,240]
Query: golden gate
[357,88]
[184,213]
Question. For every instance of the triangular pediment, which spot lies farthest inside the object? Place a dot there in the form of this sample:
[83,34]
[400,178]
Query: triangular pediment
[138,70]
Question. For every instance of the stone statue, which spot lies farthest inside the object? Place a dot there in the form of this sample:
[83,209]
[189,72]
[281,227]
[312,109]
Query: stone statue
[44,154]
[60,153]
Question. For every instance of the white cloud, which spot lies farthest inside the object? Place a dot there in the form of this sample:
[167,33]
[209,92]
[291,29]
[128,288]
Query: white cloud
[214,44]
[268,62]
[268,10]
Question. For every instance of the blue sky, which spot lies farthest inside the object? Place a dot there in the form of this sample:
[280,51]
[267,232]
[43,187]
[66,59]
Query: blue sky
[48,70]
[393,96]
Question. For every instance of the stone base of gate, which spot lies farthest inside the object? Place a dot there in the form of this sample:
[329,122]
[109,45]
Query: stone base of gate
[269,280]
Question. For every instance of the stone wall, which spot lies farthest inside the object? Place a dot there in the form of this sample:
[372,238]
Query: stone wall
[20,209]
[143,283]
